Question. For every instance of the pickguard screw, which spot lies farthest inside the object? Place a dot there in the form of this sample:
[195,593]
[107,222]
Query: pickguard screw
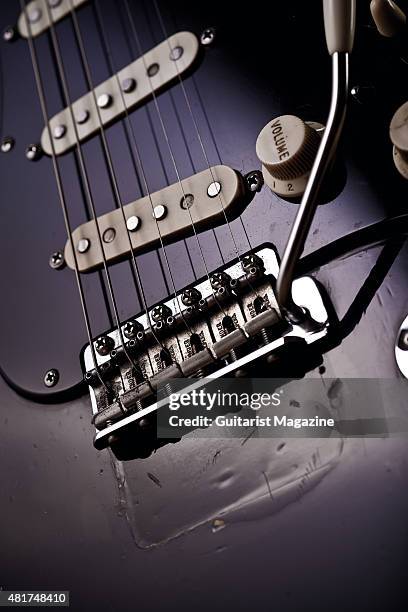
[207,36]
[51,378]
[33,152]
[403,340]
[7,144]
[10,34]
[57,260]
[254,181]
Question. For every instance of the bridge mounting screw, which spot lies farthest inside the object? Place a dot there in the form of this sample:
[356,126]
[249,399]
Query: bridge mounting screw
[57,260]
[7,144]
[33,152]
[207,36]
[132,328]
[191,297]
[10,34]
[51,377]
[161,313]
[104,345]
[220,280]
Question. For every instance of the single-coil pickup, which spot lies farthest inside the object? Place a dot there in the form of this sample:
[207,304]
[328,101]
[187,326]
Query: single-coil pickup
[126,90]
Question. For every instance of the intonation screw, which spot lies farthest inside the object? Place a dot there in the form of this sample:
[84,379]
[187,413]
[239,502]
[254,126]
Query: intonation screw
[33,152]
[207,36]
[10,34]
[51,378]
[57,260]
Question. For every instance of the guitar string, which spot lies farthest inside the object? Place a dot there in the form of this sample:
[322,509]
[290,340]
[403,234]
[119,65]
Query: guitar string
[167,140]
[201,143]
[109,59]
[181,127]
[139,161]
[61,195]
[62,75]
[85,63]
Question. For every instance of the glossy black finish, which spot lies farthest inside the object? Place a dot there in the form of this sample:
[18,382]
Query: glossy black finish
[56,501]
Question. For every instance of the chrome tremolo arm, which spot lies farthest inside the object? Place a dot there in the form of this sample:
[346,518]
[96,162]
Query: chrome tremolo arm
[339,25]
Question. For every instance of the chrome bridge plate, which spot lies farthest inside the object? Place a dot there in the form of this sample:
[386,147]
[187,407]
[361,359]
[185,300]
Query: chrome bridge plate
[257,330]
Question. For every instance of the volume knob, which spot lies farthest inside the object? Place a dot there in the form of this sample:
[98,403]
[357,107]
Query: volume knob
[287,147]
[399,138]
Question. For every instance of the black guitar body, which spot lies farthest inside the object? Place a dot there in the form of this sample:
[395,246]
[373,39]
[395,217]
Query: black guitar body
[155,533]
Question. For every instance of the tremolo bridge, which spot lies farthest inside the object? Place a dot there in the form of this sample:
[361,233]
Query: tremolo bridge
[221,326]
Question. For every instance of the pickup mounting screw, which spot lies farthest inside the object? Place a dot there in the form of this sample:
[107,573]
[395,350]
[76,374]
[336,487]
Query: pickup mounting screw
[104,345]
[207,36]
[83,245]
[7,144]
[51,378]
[57,260]
[9,34]
[254,180]
[159,212]
[214,189]
[104,100]
[33,152]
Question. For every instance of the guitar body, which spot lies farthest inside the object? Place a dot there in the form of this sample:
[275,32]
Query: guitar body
[144,533]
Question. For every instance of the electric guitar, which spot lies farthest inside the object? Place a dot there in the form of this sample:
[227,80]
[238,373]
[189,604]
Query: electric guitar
[192,193]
